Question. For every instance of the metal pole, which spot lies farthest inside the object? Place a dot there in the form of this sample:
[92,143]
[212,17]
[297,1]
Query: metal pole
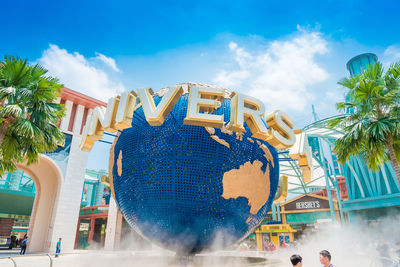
[278,212]
[337,188]
[321,155]
[51,260]
[332,208]
[15,264]
[273,212]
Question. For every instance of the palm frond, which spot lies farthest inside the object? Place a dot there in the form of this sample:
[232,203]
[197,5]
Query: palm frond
[374,96]
[29,97]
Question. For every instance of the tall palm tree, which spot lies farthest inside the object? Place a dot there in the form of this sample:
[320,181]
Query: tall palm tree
[28,113]
[373,129]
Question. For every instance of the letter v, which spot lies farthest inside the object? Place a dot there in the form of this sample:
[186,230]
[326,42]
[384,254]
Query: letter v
[156,116]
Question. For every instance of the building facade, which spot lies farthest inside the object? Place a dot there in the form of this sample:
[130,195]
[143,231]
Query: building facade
[53,194]
[93,214]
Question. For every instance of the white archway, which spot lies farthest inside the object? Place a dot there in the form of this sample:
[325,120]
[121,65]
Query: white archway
[47,178]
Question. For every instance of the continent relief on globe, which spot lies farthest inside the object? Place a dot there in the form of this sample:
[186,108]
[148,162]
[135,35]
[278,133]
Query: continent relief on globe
[248,181]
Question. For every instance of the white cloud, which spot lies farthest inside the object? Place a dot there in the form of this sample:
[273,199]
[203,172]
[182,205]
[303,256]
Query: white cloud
[281,74]
[80,74]
[391,55]
[109,61]
[232,46]
[231,78]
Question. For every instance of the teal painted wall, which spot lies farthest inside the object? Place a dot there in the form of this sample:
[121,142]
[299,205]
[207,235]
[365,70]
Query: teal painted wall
[306,217]
[16,203]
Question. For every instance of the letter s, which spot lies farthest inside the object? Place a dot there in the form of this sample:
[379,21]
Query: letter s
[280,130]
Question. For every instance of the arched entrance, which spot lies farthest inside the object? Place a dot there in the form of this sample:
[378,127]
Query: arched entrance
[47,177]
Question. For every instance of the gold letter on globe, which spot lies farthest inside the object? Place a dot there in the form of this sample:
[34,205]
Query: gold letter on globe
[156,116]
[282,191]
[249,110]
[202,102]
[117,116]
[125,111]
[202,105]
[280,132]
[301,152]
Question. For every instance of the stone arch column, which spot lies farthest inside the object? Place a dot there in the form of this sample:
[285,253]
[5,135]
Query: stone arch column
[47,178]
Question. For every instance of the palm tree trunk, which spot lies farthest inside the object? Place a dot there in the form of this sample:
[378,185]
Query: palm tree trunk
[3,131]
[394,160]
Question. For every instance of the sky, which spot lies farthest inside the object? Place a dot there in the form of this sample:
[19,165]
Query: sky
[289,54]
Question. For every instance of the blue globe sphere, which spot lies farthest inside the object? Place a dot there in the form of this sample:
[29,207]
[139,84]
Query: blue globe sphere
[189,188]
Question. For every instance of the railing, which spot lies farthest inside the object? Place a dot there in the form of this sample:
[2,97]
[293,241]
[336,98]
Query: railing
[377,262]
[11,258]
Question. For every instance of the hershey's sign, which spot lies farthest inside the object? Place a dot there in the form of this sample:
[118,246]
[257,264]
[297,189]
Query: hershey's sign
[308,205]
[307,202]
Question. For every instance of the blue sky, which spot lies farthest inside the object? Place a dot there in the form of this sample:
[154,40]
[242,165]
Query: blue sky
[288,53]
[120,28]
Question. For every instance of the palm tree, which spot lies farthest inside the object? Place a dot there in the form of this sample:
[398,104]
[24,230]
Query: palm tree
[373,129]
[28,113]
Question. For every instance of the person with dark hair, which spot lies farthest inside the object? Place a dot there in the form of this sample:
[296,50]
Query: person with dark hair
[296,260]
[13,243]
[325,258]
[24,243]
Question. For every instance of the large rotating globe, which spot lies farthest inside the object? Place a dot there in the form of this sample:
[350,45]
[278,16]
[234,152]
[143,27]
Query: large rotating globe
[192,188]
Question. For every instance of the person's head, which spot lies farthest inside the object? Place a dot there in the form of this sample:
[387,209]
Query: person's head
[59,238]
[296,260]
[325,257]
